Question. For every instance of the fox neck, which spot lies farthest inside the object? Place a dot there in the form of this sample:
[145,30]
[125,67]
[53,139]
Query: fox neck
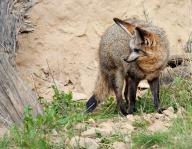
[154,62]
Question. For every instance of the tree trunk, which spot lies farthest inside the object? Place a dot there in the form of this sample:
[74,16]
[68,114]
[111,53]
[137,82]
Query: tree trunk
[15,95]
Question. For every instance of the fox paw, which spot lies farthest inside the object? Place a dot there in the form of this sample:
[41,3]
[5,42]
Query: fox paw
[132,110]
[160,110]
[123,109]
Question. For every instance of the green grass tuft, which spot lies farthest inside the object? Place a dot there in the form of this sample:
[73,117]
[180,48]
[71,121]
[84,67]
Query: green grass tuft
[141,123]
[146,140]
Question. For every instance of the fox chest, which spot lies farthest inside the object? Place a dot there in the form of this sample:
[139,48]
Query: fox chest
[135,72]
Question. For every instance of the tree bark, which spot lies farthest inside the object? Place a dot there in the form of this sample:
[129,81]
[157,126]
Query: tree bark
[15,95]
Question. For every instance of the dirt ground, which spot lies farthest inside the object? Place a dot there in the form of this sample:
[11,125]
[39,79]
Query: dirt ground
[67,35]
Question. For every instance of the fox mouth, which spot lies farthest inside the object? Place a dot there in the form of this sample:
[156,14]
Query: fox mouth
[129,61]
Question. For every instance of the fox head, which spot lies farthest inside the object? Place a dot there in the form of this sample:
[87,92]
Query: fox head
[141,42]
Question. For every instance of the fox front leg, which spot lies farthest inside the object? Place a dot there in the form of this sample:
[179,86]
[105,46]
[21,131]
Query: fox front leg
[132,89]
[154,86]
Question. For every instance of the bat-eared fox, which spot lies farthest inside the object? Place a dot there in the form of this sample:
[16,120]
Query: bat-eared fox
[130,51]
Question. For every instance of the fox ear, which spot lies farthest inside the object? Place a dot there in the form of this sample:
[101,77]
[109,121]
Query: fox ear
[144,36]
[129,28]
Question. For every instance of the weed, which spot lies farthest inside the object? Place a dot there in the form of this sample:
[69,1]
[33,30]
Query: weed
[146,140]
[4,142]
[141,123]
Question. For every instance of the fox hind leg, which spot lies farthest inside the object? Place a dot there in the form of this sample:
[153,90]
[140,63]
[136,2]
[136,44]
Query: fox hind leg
[117,84]
[126,91]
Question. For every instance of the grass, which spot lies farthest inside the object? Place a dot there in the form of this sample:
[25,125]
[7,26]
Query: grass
[146,140]
[178,94]
[178,136]
[141,123]
[62,114]
[106,142]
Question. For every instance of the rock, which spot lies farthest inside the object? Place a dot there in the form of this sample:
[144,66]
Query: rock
[54,132]
[89,133]
[148,117]
[88,143]
[141,93]
[158,116]
[143,85]
[155,146]
[79,96]
[169,112]
[130,118]
[181,111]
[106,128]
[120,145]
[80,126]
[158,126]
[91,121]
[106,124]
[105,131]
[125,128]
[142,88]
[55,139]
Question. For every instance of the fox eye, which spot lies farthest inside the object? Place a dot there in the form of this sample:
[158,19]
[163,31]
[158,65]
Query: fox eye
[136,50]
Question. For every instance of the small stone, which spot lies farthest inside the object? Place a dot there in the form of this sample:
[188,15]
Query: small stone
[130,118]
[155,146]
[80,126]
[157,126]
[160,116]
[126,128]
[106,128]
[143,85]
[169,112]
[54,132]
[105,131]
[91,121]
[120,145]
[87,143]
[181,111]
[67,141]
[141,93]
[148,117]
[106,124]
[89,133]
[79,96]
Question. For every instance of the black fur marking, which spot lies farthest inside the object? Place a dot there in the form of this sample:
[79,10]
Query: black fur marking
[91,104]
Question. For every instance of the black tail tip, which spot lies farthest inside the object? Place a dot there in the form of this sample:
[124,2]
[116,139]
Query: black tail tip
[91,104]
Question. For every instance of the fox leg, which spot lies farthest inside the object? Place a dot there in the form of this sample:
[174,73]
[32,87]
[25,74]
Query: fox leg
[126,90]
[154,86]
[132,94]
[117,84]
